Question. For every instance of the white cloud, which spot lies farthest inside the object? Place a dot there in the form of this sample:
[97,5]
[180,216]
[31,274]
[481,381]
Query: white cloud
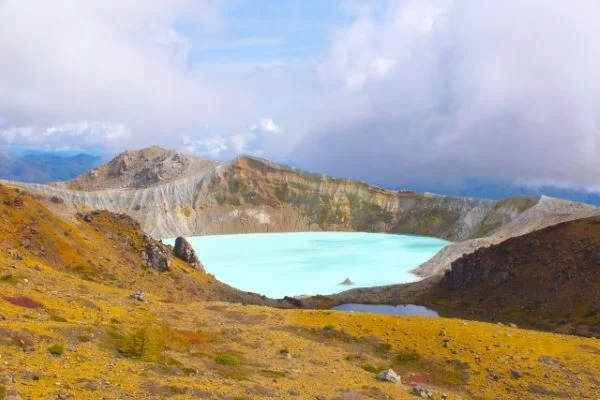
[113,60]
[266,125]
[441,89]
[213,146]
[77,135]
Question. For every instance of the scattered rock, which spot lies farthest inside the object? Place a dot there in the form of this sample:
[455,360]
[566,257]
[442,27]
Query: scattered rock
[389,375]
[516,373]
[31,376]
[184,250]
[15,254]
[422,393]
[88,217]
[347,282]
[156,257]
[138,296]
[15,202]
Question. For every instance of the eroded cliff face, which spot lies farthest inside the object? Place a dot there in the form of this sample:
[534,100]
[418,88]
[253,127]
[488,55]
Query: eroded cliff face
[254,195]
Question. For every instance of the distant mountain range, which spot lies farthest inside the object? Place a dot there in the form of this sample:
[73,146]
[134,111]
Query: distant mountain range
[45,166]
[499,189]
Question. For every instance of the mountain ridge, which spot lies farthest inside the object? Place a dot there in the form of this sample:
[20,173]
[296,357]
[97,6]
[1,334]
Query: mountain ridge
[251,194]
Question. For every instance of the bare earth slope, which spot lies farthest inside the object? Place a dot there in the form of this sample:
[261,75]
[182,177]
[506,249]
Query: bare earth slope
[69,330]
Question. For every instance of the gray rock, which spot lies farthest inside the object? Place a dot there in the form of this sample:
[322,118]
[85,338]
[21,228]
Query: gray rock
[184,250]
[516,373]
[389,375]
[156,257]
[138,296]
[347,282]
[422,393]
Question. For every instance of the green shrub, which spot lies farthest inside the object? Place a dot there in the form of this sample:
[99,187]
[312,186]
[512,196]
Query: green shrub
[56,349]
[328,327]
[2,392]
[57,318]
[9,278]
[144,343]
[369,368]
[227,359]
[407,356]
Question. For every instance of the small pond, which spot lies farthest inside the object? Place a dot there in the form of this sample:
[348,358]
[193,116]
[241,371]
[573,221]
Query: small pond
[404,309]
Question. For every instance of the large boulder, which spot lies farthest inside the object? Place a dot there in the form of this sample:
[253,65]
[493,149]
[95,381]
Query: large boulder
[184,250]
[389,375]
[157,257]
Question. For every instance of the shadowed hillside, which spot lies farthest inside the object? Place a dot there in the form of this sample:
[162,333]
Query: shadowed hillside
[548,278]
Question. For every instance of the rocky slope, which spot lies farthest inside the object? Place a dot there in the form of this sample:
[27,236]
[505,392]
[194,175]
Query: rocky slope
[101,247]
[550,277]
[71,329]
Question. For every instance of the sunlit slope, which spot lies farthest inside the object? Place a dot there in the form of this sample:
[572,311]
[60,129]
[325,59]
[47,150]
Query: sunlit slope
[68,329]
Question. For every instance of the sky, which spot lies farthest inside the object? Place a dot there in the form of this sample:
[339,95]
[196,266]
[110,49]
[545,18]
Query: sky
[391,91]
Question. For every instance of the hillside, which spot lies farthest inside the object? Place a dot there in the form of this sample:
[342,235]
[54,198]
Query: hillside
[98,247]
[549,278]
[69,329]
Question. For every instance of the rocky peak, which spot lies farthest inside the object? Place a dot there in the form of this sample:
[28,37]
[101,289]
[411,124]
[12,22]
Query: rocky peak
[141,168]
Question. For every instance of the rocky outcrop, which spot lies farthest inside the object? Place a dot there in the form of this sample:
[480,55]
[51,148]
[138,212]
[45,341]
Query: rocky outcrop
[156,256]
[184,251]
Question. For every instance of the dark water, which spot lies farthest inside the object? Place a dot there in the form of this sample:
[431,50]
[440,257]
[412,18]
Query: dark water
[405,309]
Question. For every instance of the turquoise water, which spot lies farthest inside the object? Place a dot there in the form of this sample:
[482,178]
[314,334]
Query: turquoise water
[308,263]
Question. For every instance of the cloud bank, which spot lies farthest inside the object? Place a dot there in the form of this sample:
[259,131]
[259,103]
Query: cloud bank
[442,89]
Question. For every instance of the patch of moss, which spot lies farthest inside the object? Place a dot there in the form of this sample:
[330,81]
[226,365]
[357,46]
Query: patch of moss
[9,278]
[407,356]
[369,368]
[227,359]
[57,318]
[56,349]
